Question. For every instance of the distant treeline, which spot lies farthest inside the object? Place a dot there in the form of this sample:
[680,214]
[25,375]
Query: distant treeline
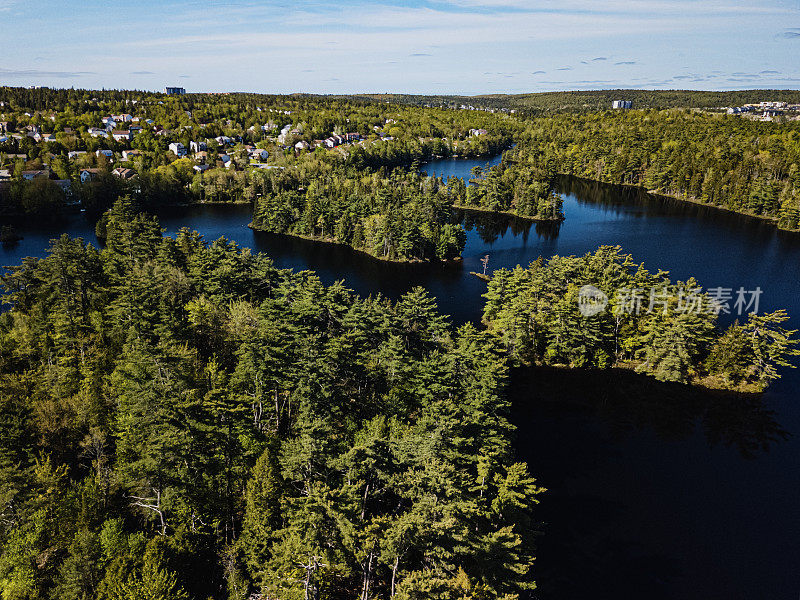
[594,100]
[742,165]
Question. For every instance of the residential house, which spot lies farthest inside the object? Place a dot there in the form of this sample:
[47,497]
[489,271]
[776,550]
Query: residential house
[122,135]
[73,154]
[200,168]
[97,132]
[258,154]
[5,174]
[123,173]
[177,149]
[48,137]
[478,132]
[130,154]
[109,154]
[197,146]
[283,134]
[28,175]
[88,175]
[302,145]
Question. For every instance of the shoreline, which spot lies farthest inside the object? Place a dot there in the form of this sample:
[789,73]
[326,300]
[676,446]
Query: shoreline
[689,200]
[333,242]
[507,213]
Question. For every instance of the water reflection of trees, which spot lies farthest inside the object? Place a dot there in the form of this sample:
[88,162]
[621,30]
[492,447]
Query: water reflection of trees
[573,425]
[490,227]
[627,402]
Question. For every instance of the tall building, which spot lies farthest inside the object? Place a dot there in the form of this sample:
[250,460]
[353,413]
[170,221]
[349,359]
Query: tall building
[174,91]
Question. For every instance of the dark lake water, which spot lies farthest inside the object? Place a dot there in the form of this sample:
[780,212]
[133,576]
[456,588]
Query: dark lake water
[655,491]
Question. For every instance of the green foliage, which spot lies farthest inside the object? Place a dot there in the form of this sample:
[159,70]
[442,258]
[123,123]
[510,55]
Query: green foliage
[725,161]
[183,420]
[664,329]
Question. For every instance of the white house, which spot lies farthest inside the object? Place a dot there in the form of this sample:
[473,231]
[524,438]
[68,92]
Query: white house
[72,154]
[96,132]
[177,149]
[258,154]
[87,175]
[302,145]
[200,168]
[130,154]
[197,146]
[121,135]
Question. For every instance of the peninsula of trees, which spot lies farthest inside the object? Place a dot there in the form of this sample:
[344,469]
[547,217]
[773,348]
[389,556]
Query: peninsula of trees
[184,420]
[661,328]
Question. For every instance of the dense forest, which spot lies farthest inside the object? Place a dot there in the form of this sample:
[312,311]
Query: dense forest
[592,100]
[395,215]
[523,189]
[725,161]
[660,328]
[180,419]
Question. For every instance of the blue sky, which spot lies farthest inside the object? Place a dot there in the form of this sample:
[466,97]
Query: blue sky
[443,46]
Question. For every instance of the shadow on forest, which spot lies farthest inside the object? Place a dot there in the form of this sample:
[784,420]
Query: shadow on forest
[580,420]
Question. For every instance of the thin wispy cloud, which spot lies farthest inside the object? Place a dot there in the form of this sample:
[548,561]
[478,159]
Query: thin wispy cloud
[34,73]
[481,45]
